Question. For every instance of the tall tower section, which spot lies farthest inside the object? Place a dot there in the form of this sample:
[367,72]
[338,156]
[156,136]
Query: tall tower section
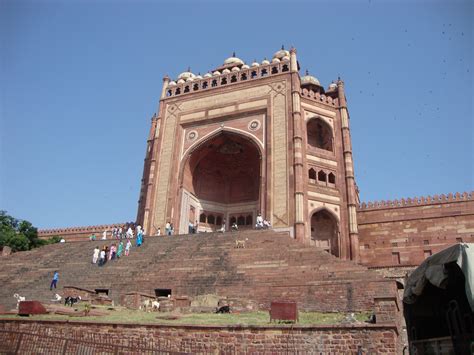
[254,138]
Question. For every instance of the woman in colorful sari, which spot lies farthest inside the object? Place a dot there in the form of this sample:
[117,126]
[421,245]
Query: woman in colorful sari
[139,236]
[120,250]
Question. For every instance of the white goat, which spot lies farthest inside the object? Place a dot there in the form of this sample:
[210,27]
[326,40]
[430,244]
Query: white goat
[18,299]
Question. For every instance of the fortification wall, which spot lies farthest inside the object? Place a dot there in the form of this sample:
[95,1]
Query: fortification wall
[405,232]
[74,234]
[87,337]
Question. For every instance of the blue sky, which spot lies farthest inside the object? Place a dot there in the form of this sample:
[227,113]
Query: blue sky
[80,81]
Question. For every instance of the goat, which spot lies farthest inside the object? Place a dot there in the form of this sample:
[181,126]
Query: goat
[71,300]
[18,299]
[155,305]
[223,309]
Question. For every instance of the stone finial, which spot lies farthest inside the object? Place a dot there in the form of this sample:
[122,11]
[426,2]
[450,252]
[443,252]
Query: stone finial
[282,47]
[166,78]
[233,54]
[293,50]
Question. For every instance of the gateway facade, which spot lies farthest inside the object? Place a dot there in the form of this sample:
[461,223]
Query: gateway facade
[253,138]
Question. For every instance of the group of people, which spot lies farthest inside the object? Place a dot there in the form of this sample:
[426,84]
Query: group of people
[101,256]
[262,223]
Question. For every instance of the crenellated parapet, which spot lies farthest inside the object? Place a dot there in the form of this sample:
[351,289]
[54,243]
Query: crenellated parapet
[320,98]
[418,201]
[77,230]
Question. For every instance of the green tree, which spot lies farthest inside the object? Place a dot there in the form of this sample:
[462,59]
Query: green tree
[18,234]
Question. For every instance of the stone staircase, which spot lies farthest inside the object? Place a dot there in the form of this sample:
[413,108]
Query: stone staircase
[271,266]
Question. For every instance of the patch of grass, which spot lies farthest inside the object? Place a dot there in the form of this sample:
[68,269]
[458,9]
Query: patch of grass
[123,315]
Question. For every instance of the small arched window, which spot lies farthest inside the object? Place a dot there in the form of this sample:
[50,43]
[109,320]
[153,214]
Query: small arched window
[211,219]
[275,70]
[243,76]
[254,74]
[285,67]
[233,79]
[169,93]
[319,134]
[224,81]
[186,88]
[249,220]
[196,87]
[204,85]
[312,174]
[264,72]
[331,178]
[178,91]
[321,176]
[214,83]
[202,218]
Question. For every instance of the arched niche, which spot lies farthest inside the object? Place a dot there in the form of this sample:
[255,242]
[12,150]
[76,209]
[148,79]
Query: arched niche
[325,231]
[319,134]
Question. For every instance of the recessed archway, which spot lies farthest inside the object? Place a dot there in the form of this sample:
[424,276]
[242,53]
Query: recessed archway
[319,134]
[325,231]
[222,174]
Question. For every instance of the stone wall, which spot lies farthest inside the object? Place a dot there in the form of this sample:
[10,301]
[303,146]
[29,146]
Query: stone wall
[405,232]
[72,336]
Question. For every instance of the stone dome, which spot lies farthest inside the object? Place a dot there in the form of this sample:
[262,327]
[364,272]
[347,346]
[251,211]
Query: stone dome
[281,53]
[181,81]
[245,66]
[226,71]
[255,64]
[207,75]
[234,69]
[265,61]
[285,59]
[332,87]
[309,79]
[186,75]
[275,60]
[216,73]
[233,60]
[172,83]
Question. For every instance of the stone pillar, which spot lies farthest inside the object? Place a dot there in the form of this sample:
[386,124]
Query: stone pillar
[349,171]
[297,148]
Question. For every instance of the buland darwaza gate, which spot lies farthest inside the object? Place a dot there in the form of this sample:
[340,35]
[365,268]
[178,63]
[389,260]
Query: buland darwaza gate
[245,139]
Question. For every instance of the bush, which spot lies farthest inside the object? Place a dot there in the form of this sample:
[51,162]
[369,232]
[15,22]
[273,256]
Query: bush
[18,234]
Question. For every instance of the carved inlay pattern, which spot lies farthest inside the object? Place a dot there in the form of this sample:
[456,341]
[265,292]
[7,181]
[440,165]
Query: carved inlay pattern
[254,125]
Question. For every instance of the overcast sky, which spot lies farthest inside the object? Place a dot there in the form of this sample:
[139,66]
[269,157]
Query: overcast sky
[80,81]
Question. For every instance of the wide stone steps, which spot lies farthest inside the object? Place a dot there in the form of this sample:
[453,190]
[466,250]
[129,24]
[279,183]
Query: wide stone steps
[188,264]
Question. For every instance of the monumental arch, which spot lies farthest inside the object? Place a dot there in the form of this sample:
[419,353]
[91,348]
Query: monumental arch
[253,138]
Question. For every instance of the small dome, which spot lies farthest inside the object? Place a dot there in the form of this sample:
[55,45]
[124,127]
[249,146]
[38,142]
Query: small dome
[235,69]
[265,61]
[309,79]
[285,59]
[198,77]
[207,75]
[186,74]
[233,60]
[190,78]
[180,81]
[245,66]
[275,60]
[332,87]
[281,53]
[255,64]
[226,71]
[172,83]
[216,73]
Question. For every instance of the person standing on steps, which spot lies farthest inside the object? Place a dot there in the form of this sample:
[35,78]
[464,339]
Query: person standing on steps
[54,281]
[95,257]
[127,247]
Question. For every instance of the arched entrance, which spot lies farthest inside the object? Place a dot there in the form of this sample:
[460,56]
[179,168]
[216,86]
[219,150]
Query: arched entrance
[221,181]
[325,231]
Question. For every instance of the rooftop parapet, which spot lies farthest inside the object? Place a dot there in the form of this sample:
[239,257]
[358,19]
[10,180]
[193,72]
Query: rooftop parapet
[418,201]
